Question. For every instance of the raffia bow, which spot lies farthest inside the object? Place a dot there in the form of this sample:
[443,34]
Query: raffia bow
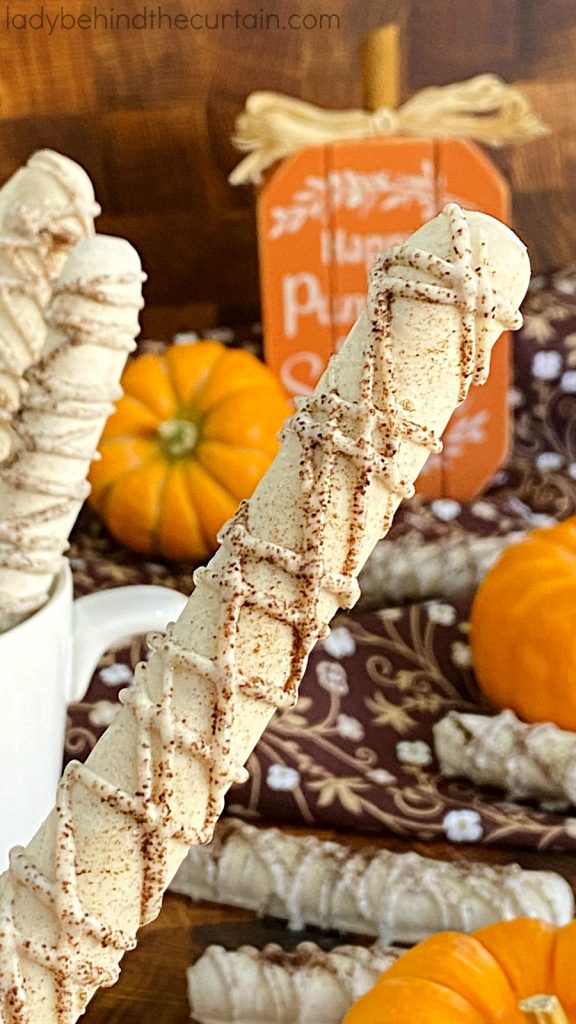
[485,108]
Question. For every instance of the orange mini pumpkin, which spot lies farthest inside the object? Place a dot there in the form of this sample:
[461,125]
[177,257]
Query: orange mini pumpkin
[482,978]
[193,433]
[523,628]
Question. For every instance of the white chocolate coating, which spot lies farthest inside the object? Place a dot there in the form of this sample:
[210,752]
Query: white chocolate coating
[535,762]
[414,569]
[270,986]
[156,781]
[45,208]
[397,897]
[93,320]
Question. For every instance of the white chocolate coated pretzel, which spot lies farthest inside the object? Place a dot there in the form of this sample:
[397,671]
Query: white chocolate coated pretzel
[155,783]
[534,762]
[413,568]
[396,897]
[45,208]
[93,320]
[271,986]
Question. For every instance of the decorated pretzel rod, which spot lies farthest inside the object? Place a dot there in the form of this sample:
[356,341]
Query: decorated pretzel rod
[534,762]
[408,570]
[93,320]
[271,986]
[397,897]
[45,208]
[155,783]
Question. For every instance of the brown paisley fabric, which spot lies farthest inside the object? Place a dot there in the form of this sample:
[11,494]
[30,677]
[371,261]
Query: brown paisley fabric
[357,751]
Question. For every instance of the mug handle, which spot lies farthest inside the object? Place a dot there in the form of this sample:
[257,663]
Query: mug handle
[104,618]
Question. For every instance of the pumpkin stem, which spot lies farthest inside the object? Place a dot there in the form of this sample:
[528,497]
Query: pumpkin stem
[543,1010]
[178,438]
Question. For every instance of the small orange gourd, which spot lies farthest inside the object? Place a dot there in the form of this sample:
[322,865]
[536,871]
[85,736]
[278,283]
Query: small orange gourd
[192,435]
[523,628]
[482,978]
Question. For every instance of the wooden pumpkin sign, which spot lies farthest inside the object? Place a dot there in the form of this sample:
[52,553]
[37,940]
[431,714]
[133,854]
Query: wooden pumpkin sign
[322,218]
[323,215]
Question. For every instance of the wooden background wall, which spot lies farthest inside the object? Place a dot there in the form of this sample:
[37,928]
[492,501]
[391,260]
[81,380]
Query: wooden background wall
[149,114]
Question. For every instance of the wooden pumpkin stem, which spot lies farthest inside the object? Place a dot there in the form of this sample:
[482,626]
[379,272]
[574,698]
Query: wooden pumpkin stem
[543,1010]
[178,438]
[382,67]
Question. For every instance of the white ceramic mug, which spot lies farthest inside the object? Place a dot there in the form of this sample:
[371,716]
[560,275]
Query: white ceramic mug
[45,663]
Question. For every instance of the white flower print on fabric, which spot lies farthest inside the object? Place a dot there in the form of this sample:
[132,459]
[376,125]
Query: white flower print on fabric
[116,675]
[547,365]
[282,777]
[103,712]
[568,381]
[515,398]
[549,460]
[349,728]
[440,613]
[155,569]
[463,826]
[564,285]
[540,519]
[445,509]
[222,333]
[381,777]
[185,337]
[570,826]
[534,518]
[461,654]
[499,478]
[415,752]
[332,677]
[484,510]
[339,643]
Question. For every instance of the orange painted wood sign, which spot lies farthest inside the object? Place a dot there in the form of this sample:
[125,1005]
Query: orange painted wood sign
[322,218]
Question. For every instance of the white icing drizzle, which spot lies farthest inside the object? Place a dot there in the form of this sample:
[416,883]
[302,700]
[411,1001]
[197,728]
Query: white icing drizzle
[234,986]
[368,891]
[366,433]
[34,238]
[77,406]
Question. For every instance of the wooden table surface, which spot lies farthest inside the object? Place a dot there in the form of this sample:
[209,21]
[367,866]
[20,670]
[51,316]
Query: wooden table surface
[152,986]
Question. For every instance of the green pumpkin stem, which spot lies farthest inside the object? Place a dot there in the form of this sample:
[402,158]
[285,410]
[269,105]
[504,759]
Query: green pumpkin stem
[178,438]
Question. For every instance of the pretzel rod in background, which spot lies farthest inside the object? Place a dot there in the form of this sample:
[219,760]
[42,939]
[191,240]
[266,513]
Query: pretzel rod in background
[271,986]
[409,569]
[93,320]
[45,208]
[529,762]
[155,783]
[397,897]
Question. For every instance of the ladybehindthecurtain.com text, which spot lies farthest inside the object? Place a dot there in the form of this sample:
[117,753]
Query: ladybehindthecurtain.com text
[156,18]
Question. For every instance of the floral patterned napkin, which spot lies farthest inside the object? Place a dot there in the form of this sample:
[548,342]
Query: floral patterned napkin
[357,751]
